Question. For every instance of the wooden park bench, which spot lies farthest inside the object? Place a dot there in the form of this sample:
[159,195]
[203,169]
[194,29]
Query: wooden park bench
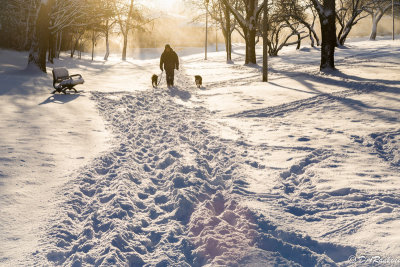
[62,81]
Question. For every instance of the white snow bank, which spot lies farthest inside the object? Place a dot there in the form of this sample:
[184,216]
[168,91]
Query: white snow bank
[43,138]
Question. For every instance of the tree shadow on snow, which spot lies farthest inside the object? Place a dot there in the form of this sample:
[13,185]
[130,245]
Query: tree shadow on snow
[350,82]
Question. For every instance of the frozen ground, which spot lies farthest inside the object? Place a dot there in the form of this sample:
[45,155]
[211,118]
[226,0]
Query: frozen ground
[303,170]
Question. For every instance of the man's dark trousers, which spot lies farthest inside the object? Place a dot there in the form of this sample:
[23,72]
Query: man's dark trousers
[170,77]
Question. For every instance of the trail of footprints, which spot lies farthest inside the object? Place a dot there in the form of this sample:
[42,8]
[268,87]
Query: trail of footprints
[168,194]
[134,204]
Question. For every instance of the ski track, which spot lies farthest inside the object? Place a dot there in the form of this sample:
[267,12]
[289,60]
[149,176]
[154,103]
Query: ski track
[168,194]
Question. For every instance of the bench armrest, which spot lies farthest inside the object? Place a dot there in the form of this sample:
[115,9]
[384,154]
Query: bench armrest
[76,75]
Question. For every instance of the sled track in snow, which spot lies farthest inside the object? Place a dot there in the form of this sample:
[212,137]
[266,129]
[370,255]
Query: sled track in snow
[165,196]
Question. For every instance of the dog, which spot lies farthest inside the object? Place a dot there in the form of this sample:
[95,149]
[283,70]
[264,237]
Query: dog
[199,80]
[154,80]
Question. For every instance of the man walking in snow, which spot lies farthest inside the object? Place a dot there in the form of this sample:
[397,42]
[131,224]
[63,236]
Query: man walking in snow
[169,61]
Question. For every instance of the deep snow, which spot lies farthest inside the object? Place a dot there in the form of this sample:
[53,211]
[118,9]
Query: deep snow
[303,170]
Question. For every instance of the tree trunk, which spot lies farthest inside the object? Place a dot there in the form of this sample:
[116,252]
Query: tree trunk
[107,43]
[228,39]
[52,48]
[327,18]
[265,42]
[40,41]
[298,42]
[374,28]
[93,41]
[316,37]
[328,44]
[250,38]
[343,38]
[125,46]
[216,37]
[27,28]
[126,32]
[250,34]
[312,39]
[59,44]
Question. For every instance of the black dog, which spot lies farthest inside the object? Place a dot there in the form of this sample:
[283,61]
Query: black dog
[154,80]
[198,80]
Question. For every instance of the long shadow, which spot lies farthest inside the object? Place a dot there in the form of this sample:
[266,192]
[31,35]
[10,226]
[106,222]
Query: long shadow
[182,94]
[350,84]
[340,74]
[22,82]
[290,88]
[361,107]
[60,99]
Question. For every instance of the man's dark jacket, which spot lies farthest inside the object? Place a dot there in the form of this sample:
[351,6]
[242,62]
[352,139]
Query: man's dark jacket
[169,61]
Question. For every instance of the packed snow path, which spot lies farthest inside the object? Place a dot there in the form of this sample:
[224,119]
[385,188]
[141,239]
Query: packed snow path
[167,196]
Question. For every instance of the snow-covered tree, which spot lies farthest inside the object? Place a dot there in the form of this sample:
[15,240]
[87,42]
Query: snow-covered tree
[327,17]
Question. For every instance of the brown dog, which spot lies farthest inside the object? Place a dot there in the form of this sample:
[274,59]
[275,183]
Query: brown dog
[199,80]
[154,80]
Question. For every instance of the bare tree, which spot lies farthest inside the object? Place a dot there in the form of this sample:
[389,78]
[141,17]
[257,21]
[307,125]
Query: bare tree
[109,22]
[283,26]
[221,13]
[124,19]
[227,24]
[248,21]
[327,16]
[303,18]
[74,17]
[348,14]
[376,9]
[130,17]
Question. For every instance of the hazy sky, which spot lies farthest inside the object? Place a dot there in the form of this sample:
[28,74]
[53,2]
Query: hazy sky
[173,6]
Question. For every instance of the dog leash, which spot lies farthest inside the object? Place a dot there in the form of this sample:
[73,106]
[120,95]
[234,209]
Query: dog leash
[159,81]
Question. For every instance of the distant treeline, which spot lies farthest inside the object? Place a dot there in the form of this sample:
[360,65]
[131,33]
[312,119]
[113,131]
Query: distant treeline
[46,27]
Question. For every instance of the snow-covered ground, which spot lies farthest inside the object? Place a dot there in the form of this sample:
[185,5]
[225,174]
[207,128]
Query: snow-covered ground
[303,170]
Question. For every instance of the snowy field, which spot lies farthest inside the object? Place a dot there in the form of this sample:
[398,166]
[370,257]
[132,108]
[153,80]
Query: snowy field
[302,171]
